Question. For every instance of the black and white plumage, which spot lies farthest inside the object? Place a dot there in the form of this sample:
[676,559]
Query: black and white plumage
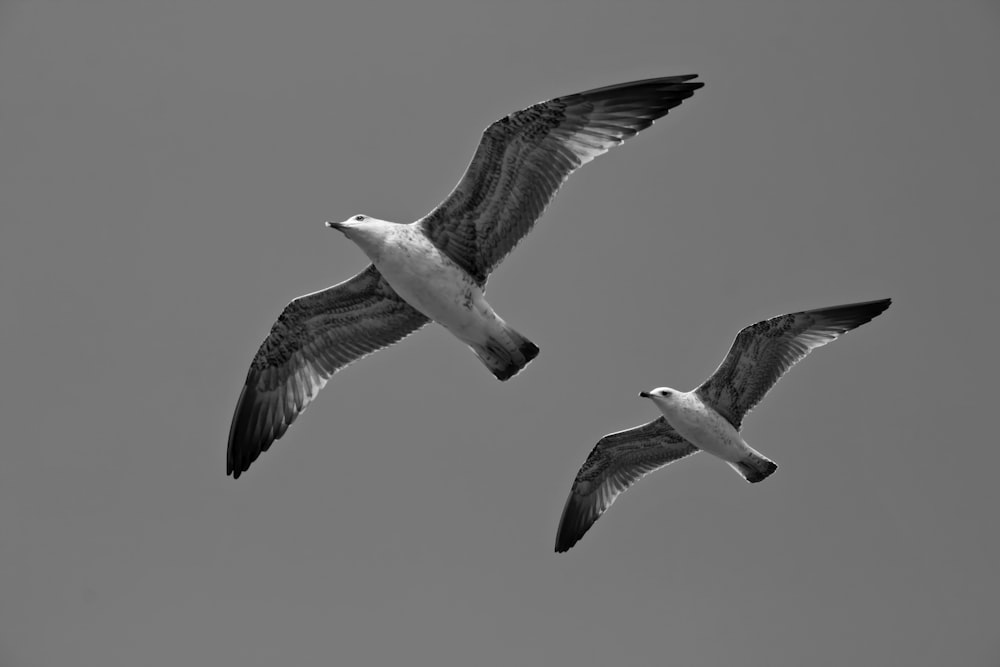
[618,461]
[524,158]
[315,336]
[436,267]
[708,418]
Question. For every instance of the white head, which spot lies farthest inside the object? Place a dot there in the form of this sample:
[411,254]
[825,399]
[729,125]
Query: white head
[353,223]
[661,395]
[366,231]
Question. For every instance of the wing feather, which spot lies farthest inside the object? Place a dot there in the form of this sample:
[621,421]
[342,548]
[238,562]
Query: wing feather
[765,351]
[523,159]
[617,462]
[315,336]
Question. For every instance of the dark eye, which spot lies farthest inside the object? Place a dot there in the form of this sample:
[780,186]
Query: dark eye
[359,218]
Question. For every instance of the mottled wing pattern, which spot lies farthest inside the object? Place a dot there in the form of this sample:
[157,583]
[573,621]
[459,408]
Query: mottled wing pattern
[617,462]
[763,352]
[524,158]
[315,336]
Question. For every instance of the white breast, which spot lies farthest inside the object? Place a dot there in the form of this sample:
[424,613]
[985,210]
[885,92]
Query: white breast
[431,282]
[704,427]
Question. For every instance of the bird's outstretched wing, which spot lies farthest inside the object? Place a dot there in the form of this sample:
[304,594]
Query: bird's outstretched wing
[315,336]
[617,462]
[763,352]
[524,158]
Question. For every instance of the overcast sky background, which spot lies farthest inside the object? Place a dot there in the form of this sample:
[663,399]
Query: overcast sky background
[165,172]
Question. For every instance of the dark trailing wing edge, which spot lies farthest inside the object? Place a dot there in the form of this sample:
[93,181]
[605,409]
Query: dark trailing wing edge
[523,159]
[765,351]
[315,336]
[617,462]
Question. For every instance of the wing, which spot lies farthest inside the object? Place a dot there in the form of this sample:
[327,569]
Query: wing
[524,158]
[315,336]
[617,462]
[763,352]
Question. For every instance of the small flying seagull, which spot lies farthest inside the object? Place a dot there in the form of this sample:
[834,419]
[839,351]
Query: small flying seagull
[436,268]
[709,417]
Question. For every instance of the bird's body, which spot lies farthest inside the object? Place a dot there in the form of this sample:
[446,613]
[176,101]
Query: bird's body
[422,274]
[708,418]
[705,428]
[430,281]
[435,269]
[702,426]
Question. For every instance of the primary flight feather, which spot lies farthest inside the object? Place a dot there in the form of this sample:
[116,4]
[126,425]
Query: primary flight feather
[436,267]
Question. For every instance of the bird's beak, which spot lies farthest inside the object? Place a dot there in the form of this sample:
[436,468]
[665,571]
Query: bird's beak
[645,394]
[335,225]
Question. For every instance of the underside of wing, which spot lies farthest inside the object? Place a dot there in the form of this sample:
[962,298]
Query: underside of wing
[315,336]
[765,351]
[524,158]
[617,462]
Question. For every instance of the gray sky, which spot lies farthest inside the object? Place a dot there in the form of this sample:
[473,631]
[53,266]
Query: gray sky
[165,170]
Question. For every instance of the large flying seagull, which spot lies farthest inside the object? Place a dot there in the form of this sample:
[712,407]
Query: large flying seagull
[709,417]
[436,267]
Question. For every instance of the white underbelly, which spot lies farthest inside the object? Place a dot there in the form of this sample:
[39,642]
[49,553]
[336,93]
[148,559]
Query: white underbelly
[439,290]
[710,433]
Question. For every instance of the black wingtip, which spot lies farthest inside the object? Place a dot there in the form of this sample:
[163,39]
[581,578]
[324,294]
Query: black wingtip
[684,78]
[883,304]
[878,307]
[572,525]
[678,87]
[564,543]
[242,448]
[853,315]
[235,426]
[682,81]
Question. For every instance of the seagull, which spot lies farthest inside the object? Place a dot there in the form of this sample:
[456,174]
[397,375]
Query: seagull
[709,417]
[436,267]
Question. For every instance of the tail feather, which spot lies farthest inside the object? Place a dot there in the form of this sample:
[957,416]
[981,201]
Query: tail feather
[755,467]
[505,355]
